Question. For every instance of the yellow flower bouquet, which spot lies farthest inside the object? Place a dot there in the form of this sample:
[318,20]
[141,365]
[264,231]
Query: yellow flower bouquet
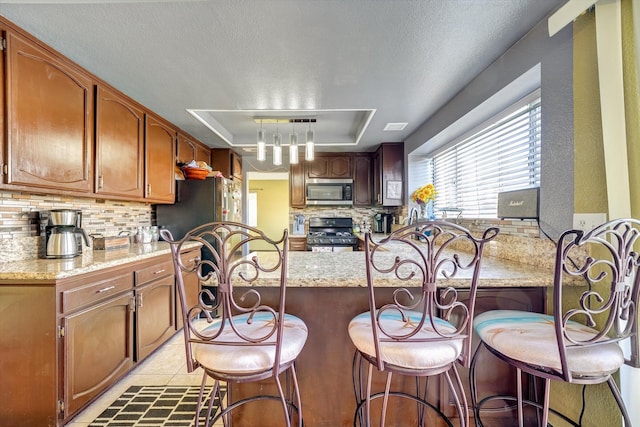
[424,194]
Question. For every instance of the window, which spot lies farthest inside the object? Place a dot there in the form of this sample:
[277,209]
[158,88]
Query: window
[504,155]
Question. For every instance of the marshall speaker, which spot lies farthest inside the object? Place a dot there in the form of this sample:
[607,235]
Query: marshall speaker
[518,204]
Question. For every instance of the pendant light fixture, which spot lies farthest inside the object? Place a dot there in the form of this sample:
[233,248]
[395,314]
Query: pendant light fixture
[293,146]
[309,146]
[277,148]
[262,145]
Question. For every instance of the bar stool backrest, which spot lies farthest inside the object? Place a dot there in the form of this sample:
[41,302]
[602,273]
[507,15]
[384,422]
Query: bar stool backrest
[225,268]
[427,263]
[607,258]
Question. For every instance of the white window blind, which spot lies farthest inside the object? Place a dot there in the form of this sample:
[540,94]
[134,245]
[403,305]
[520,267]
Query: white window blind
[503,156]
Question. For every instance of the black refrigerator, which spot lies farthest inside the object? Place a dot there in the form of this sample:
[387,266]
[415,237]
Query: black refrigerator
[199,202]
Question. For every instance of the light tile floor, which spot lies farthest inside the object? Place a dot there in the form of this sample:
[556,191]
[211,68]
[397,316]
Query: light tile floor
[167,366]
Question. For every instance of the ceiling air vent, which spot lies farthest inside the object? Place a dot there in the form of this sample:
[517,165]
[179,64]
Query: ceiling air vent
[394,126]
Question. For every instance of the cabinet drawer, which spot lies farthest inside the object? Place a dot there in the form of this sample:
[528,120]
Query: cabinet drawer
[96,291]
[154,272]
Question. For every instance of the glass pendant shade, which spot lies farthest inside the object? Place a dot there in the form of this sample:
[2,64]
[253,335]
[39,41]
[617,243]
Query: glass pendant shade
[309,146]
[277,149]
[262,147]
[293,148]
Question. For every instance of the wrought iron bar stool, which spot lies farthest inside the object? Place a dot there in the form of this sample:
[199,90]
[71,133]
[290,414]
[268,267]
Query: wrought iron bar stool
[249,341]
[580,342]
[421,331]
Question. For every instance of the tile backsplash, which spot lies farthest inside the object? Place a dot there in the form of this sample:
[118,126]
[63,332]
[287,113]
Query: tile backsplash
[20,233]
[19,219]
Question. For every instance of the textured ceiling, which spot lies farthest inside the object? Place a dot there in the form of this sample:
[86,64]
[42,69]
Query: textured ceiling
[364,63]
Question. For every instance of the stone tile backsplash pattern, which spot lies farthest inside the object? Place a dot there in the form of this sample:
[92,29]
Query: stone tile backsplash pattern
[20,234]
[19,219]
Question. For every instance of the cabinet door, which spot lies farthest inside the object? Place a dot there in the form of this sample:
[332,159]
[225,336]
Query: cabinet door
[362,180]
[160,145]
[119,145]
[236,166]
[330,167]
[297,243]
[228,162]
[186,149]
[494,377]
[49,120]
[377,179]
[391,164]
[296,186]
[203,154]
[155,315]
[98,350]
[191,285]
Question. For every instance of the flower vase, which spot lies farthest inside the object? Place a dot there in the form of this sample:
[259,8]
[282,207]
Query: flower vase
[426,211]
[423,211]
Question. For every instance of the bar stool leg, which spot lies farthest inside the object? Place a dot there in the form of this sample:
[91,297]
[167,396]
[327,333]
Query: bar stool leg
[545,411]
[519,390]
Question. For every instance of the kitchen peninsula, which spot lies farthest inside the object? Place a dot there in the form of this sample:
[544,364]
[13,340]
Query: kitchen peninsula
[324,289]
[327,290]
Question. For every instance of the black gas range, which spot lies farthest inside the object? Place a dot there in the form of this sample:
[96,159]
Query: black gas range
[331,235]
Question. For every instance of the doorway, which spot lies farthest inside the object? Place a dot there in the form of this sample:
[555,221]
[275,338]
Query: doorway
[268,203]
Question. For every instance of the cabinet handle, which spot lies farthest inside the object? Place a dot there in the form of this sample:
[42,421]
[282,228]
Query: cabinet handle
[159,271]
[140,300]
[100,181]
[108,288]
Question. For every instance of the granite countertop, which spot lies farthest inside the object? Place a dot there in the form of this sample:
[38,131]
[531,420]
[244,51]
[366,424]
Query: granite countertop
[347,269]
[305,269]
[90,261]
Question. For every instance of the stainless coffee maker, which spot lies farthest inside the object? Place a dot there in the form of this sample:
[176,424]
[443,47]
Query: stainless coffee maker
[64,236]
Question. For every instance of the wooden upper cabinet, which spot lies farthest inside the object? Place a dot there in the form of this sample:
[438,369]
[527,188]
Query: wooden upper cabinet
[296,186]
[330,166]
[49,119]
[191,149]
[203,154]
[186,149]
[389,174]
[228,162]
[362,180]
[119,145]
[160,146]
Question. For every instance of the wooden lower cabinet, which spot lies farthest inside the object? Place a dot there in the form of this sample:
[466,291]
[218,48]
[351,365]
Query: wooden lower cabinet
[64,342]
[155,315]
[297,243]
[98,349]
[155,305]
[191,285]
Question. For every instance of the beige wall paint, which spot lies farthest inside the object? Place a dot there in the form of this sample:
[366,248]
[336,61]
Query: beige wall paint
[590,186]
[273,207]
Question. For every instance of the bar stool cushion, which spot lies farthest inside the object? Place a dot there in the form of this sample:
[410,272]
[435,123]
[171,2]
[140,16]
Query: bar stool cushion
[409,353]
[243,359]
[531,338]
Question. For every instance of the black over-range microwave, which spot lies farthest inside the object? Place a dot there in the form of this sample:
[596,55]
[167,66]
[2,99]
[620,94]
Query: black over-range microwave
[329,191]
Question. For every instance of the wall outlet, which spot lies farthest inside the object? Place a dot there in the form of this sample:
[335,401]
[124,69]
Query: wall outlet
[588,221]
